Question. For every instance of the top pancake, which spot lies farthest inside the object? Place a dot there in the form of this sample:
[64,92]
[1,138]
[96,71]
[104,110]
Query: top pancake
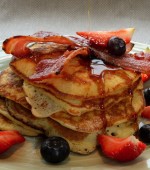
[80,78]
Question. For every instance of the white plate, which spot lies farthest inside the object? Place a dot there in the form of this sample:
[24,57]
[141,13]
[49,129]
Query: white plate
[27,155]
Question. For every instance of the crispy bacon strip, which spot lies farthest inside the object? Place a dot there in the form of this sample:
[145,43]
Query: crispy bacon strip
[52,67]
[17,45]
[139,62]
[77,40]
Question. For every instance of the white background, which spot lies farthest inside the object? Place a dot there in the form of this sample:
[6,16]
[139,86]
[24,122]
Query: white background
[18,17]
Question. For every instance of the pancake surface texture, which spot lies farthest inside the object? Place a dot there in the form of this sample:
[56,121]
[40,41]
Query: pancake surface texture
[82,143]
[8,122]
[11,87]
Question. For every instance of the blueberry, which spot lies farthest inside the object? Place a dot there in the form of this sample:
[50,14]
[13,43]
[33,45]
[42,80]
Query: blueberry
[55,149]
[147,96]
[116,46]
[144,133]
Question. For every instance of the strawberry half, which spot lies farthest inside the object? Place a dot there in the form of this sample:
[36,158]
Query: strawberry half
[121,149]
[146,112]
[9,138]
[101,38]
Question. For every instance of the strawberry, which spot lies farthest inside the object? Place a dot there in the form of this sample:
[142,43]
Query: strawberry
[145,77]
[101,38]
[146,112]
[121,149]
[9,138]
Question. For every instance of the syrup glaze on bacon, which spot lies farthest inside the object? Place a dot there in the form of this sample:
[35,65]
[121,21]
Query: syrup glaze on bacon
[17,46]
[52,67]
[139,62]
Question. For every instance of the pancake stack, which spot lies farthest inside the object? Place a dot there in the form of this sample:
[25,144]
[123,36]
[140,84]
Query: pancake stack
[69,93]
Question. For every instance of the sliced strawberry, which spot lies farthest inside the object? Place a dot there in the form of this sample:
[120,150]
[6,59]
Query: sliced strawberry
[146,112]
[145,77]
[121,149]
[101,37]
[9,138]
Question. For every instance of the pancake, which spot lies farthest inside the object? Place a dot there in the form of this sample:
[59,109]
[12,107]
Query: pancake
[40,103]
[123,130]
[78,78]
[95,121]
[7,122]
[82,91]
[88,122]
[79,142]
[11,87]
[37,96]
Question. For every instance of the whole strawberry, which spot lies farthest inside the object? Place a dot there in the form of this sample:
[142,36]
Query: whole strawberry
[121,149]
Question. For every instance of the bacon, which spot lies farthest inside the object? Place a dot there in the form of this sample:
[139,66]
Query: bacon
[53,67]
[17,45]
[139,62]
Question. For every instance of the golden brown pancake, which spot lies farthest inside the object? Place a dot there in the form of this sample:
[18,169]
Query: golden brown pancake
[76,79]
[11,87]
[79,92]
[124,110]
[40,102]
[7,122]
[89,122]
[79,142]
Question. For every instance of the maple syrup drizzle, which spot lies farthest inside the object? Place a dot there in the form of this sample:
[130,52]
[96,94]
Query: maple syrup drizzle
[98,69]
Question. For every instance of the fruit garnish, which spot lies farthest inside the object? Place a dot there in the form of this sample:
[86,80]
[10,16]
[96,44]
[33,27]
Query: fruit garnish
[121,149]
[146,112]
[102,37]
[55,149]
[144,133]
[145,77]
[116,46]
[9,138]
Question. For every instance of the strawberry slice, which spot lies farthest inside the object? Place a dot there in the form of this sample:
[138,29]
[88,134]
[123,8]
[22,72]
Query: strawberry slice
[145,77]
[101,38]
[9,138]
[146,112]
[121,149]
